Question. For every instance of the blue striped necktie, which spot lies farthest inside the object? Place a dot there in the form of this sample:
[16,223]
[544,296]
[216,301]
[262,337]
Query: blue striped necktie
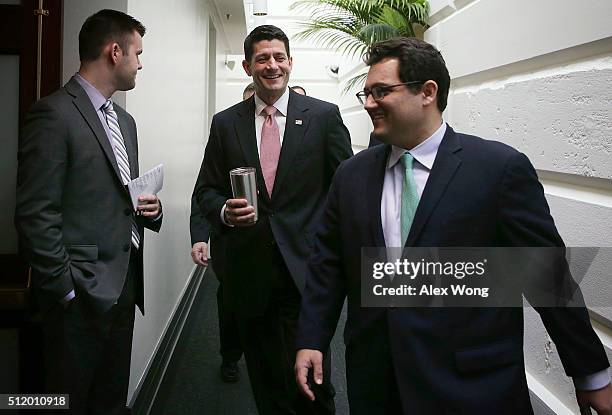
[121,156]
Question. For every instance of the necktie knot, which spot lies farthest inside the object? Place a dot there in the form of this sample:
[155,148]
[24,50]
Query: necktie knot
[407,160]
[269,110]
[108,106]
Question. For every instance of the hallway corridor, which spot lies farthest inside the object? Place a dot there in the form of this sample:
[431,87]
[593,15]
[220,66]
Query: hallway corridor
[192,384]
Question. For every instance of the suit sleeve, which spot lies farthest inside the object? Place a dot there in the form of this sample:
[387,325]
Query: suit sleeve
[526,221]
[43,158]
[153,224]
[199,227]
[338,143]
[325,288]
[212,187]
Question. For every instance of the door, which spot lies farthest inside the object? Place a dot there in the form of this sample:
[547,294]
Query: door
[30,56]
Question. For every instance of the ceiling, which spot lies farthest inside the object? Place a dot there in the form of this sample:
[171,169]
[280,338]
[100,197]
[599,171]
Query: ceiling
[230,15]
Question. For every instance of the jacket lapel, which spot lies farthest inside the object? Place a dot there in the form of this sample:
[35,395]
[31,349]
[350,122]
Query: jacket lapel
[84,106]
[245,130]
[374,191]
[443,170]
[292,139]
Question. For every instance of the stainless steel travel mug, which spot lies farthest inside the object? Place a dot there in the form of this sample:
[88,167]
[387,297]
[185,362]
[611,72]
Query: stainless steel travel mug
[244,186]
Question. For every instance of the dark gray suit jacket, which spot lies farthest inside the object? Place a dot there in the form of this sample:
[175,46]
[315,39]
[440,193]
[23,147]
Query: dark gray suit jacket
[314,144]
[73,214]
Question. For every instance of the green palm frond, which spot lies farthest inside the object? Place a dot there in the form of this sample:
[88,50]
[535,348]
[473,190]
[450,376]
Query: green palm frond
[351,26]
[353,82]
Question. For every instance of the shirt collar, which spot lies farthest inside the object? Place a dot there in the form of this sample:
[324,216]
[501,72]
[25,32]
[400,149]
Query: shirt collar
[95,96]
[424,153]
[281,104]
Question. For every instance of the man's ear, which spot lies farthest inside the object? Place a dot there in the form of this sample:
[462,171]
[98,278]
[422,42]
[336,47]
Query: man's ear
[430,92]
[113,51]
[247,67]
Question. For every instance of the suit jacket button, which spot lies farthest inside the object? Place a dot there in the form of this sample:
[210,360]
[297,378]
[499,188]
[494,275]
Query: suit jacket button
[128,211]
[126,247]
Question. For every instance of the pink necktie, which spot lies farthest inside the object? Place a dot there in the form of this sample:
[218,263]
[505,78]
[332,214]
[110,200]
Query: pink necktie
[269,150]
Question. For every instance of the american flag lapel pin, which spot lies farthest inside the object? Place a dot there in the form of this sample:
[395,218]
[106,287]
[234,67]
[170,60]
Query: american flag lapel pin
[298,122]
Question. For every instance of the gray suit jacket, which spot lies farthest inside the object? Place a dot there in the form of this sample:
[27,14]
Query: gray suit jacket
[73,214]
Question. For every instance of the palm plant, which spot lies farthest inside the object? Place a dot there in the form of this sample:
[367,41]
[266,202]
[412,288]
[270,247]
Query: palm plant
[351,26]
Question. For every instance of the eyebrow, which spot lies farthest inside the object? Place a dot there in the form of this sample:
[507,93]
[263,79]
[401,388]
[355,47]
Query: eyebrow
[378,84]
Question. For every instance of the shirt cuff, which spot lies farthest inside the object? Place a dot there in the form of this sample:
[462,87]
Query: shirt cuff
[64,301]
[223,217]
[593,382]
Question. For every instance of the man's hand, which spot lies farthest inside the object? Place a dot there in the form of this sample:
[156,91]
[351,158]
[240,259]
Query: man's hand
[305,360]
[199,253]
[600,400]
[148,206]
[239,213]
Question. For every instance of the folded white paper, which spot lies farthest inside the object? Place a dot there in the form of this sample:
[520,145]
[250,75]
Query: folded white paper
[150,182]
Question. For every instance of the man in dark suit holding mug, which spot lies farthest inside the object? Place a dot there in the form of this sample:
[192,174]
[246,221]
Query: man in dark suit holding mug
[294,143]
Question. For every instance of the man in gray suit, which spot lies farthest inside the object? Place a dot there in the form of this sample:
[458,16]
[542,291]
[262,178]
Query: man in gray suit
[77,227]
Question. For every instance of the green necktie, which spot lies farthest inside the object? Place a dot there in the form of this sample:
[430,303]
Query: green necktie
[410,197]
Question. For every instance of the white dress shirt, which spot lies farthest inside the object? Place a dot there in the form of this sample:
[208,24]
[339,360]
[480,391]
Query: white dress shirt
[281,105]
[390,209]
[391,203]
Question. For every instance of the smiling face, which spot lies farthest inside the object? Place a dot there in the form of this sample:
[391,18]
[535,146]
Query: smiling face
[400,112]
[270,68]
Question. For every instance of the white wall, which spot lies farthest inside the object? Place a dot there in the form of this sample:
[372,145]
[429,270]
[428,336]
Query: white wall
[309,61]
[538,76]
[170,106]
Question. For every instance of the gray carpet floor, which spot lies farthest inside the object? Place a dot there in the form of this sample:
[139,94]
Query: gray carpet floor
[192,384]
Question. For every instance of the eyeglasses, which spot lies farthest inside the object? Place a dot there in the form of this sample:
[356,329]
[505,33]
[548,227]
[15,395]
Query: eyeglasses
[379,92]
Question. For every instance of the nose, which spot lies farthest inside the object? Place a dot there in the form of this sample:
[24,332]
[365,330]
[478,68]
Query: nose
[272,64]
[370,103]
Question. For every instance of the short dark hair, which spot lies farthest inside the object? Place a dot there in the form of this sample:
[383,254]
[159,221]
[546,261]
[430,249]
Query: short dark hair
[418,61]
[294,87]
[103,27]
[264,32]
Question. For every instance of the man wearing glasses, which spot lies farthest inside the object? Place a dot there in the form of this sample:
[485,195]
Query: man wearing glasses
[429,186]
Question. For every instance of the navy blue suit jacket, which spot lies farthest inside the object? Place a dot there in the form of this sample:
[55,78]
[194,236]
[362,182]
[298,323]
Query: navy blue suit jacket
[479,193]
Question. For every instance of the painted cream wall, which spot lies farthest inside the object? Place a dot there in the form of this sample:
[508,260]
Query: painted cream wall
[171,109]
[169,105]
[309,61]
[543,87]
[538,76]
